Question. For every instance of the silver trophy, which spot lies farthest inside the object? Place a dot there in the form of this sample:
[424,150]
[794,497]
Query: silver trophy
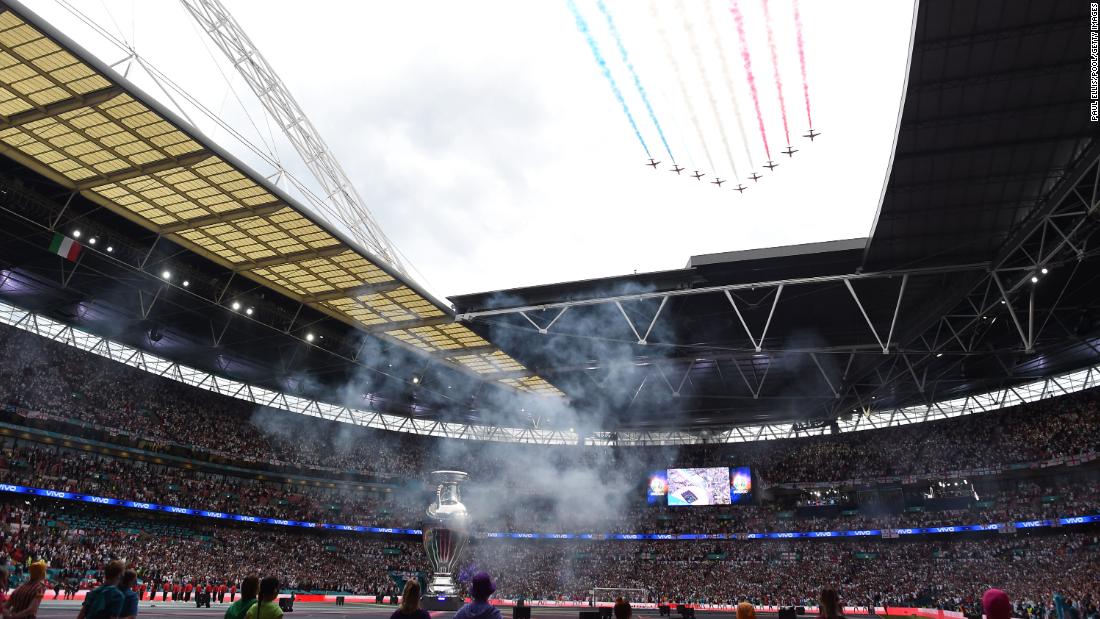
[445,538]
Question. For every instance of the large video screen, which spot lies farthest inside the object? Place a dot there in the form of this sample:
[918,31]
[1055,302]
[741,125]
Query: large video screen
[740,484]
[709,486]
[700,486]
[657,489]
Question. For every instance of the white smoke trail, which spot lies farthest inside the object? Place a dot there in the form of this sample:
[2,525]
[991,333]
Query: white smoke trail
[679,79]
[729,85]
[686,148]
[694,42]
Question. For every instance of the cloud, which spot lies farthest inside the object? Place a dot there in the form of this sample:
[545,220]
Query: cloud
[487,143]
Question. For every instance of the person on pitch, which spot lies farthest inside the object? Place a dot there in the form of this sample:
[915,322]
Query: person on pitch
[481,587]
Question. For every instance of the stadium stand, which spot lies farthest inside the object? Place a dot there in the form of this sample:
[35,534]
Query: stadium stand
[976,187]
[101,424]
[45,379]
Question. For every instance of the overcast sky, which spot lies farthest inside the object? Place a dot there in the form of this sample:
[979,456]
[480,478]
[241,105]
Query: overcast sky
[490,147]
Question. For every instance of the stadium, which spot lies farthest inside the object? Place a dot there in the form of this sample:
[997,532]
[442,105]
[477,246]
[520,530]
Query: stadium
[207,378]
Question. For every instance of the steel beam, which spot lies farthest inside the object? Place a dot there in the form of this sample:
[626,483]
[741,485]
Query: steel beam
[400,325]
[183,161]
[309,254]
[354,291]
[797,281]
[757,344]
[262,210]
[60,107]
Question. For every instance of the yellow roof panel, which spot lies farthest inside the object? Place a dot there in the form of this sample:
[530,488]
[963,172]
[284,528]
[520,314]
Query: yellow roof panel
[533,384]
[60,116]
[311,277]
[488,363]
[440,338]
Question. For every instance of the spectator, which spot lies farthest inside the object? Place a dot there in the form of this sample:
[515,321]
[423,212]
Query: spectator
[746,610]
[130,602]
[24,601]
[995,605]
[238,609]
[621,609]
[830,607]
[410,603]
[105,601]
[4,588]
[266,607]
[481,587]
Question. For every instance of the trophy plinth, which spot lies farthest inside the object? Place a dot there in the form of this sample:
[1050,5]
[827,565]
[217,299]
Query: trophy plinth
[445,538]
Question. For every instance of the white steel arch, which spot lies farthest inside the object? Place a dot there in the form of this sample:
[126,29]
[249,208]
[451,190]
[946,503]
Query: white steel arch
[341,205]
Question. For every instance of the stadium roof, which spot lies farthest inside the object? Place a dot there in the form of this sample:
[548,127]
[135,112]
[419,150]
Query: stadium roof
[70,119]
[994,181]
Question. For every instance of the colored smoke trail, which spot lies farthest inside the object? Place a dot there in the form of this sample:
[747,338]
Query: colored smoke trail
[739,18]
[679,79]
[775,69]
[802,61]
[634,74]
[728,76]
[582,25]
[706,83]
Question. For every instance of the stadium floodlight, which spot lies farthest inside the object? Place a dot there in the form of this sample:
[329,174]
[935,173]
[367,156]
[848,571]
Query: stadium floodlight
[1044,271]
[236,306]
[76,233]
[91,241]
[1034,279]
[248,311]
[416,380]
[110,249]
[166,274]
[309,337]
[186,283]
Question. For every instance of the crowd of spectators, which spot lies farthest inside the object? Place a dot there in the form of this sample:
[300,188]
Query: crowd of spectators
[49,380]
[71,470]
[81,394]
[41,378]
[55,467]
[943,574]
[78,541]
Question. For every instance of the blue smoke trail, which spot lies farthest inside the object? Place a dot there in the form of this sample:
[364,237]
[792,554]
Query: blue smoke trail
[634,74]
[582,25]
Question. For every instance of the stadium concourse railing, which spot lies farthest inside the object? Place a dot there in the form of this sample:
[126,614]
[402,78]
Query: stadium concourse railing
[1006,527]
[1049,387]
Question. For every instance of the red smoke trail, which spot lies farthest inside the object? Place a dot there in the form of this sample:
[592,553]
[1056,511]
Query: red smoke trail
[802,61]
[775,69]
[740,19]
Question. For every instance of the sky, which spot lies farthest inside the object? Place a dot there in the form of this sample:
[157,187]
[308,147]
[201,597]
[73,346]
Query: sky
[492,150]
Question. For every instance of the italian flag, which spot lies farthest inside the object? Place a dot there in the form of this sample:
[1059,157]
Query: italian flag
[65,247]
